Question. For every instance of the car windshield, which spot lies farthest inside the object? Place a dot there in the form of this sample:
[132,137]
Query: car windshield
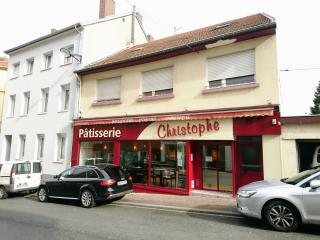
[300,176]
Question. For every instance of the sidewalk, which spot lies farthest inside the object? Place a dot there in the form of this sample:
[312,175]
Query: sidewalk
[223,205]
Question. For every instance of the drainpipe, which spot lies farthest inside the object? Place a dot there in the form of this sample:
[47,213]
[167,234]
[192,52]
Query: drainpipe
[132,23]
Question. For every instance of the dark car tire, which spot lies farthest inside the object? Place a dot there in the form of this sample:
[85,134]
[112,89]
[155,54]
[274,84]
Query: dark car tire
[87,199]
[281,216]
[42,194]
[3,193]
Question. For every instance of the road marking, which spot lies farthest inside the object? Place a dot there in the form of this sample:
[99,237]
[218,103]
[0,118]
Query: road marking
[176,211]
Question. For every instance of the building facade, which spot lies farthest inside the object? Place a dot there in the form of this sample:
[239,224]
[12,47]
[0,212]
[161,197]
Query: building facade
[42,96]
[197,110]
[300,143]
[3,80]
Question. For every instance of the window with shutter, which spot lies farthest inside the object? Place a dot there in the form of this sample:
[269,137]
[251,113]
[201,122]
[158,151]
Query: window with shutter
[109,89]
[232,69]
[157,82]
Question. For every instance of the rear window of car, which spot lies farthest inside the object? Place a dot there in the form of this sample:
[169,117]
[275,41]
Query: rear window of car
[36,167]
[22,168]
[114,171]
[0,167]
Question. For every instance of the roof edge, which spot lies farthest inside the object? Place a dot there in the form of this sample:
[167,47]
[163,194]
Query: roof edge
[194,44]
[66,29]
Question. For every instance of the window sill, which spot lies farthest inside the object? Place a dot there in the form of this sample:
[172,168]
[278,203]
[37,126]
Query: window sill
[106,102]
[58,161]
[9,117]
[46,69]
[230,88]
[27,74]
[24,115]
[43,113]
[151,98]
[15,77]
[62,111]
[67,64]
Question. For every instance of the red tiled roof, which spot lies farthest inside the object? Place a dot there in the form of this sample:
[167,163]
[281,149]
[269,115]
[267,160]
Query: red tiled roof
[190,39]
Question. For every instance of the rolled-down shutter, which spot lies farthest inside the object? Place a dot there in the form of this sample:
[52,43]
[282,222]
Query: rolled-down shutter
[159,79]
[109,89]
[231,66]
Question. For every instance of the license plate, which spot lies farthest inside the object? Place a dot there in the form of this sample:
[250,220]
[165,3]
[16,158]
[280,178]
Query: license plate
[120,183]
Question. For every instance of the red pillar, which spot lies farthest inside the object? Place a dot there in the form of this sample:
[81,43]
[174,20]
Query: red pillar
[75,155]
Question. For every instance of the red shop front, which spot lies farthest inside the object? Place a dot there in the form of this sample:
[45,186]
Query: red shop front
[174,155]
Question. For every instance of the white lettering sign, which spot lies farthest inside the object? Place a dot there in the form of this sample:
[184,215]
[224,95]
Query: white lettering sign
[93,133]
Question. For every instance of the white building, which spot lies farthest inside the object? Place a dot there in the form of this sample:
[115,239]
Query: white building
[42,92]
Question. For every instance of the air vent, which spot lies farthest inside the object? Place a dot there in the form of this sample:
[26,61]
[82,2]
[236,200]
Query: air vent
[137,49]
[222,25]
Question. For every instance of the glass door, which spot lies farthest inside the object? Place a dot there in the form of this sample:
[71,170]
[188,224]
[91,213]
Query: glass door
[217,166]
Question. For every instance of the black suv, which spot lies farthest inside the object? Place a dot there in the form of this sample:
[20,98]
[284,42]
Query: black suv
[87,184]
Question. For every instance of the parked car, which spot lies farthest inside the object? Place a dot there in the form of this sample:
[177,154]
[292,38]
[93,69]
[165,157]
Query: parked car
[87,184]
[316,157]
[283,204]
[19,176]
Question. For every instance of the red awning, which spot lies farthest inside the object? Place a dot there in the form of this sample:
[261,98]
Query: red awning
[176,117]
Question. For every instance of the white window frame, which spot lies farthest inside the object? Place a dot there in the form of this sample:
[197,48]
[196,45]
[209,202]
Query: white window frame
[29,65]
[15,70]
[12,104]
[26,103]
[22,146]
[61,147]
[157,82]
[113,94]
[44,100]
[8,145]
[40,146]
[65,97]
[47,60]
[67,58]
[231,69]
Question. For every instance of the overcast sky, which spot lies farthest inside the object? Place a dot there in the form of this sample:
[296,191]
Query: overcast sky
[298,32]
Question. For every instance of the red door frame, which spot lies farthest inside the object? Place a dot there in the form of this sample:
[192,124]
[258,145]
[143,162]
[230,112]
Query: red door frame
[197,164]
[253,176]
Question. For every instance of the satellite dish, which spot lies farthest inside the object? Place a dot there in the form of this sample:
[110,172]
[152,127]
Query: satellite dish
[76,56]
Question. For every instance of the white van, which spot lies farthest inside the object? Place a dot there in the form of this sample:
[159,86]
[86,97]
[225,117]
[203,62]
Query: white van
[19,176]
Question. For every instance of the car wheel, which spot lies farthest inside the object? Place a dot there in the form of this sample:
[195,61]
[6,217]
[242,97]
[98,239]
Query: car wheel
[3,193]
[87,199]
[282,216]
[42,194]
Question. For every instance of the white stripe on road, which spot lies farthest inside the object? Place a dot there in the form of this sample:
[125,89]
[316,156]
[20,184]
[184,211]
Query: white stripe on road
[176,211]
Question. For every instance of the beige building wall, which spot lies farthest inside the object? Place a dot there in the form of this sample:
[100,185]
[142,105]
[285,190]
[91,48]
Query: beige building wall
[272,166]
[189,79]
[112,34]
[289,151]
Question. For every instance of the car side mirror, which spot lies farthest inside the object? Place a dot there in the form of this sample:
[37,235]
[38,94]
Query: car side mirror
[56,176]
[314,184]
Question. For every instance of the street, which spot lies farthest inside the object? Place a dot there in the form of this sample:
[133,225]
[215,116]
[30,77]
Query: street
[25,218]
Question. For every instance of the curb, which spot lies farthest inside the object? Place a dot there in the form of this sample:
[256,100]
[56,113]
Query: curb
[182,209]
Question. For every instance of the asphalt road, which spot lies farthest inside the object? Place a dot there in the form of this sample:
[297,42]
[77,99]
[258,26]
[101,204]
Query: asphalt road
[24,218]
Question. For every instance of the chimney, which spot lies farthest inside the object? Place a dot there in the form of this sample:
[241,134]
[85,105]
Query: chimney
[107,8]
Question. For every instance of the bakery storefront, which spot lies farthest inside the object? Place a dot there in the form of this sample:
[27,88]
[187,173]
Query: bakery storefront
[172,155]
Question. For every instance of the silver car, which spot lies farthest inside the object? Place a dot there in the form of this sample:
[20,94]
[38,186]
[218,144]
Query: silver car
[283,204]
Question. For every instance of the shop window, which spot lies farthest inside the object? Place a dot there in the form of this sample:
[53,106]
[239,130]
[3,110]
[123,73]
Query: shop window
[92,153]
[134,159]
[217,166]
[168,165]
